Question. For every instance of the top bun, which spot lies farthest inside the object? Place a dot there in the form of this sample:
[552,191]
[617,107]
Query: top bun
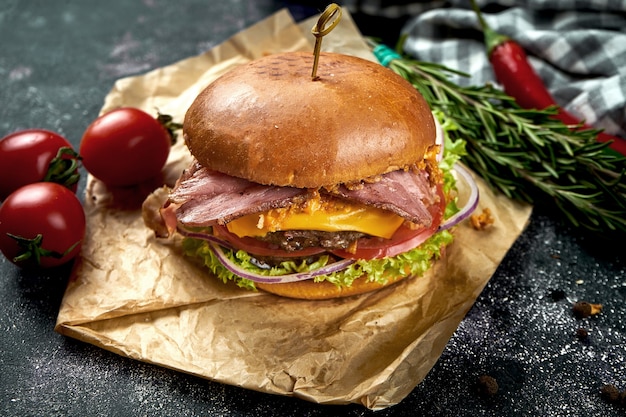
[268,122]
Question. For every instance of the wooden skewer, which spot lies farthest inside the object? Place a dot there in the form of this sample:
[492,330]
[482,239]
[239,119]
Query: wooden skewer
[320,30]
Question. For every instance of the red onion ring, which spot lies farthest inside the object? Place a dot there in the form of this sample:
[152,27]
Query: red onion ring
[279,279]
[471,203]
[204,236]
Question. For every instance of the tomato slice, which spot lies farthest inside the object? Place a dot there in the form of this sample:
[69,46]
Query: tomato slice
[403,240]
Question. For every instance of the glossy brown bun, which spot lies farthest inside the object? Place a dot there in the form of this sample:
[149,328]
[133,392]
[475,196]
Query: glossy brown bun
[311,290]
[267,121]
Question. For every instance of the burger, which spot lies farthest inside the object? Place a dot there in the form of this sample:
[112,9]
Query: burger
[311,187]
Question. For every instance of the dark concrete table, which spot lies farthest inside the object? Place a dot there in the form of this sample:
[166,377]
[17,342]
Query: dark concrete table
[58,60]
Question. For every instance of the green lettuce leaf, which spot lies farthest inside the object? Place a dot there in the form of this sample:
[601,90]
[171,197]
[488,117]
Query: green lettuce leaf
[414,262]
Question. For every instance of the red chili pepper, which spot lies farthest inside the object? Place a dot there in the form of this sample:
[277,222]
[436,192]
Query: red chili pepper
[521,81]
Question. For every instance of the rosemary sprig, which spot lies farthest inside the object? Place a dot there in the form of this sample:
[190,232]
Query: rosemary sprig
[527,154]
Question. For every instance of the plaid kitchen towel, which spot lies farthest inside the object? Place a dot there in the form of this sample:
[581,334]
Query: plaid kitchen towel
[578,47]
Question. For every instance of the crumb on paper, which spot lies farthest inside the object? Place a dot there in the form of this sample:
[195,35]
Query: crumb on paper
[483,220]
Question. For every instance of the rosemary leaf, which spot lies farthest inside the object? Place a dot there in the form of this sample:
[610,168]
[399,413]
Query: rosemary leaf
[527,154]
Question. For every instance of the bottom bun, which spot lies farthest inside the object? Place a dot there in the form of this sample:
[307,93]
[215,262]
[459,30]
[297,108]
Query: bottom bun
[311,290]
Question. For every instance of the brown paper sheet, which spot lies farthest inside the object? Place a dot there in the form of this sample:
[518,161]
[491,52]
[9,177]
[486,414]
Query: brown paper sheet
[140,298]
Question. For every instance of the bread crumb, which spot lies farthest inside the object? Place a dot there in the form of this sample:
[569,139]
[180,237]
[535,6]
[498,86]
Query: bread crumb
[487,386]
[583,309]
[582,334]
[611,394]
[483,220]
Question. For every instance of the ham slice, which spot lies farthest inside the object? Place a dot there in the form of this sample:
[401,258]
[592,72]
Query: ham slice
[406,193]
[203,197]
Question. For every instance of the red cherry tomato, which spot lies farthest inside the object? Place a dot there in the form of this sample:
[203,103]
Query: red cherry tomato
[125,147]
[30,155]
[41,224]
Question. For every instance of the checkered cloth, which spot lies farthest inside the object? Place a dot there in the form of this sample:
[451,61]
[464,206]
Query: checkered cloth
[578,47]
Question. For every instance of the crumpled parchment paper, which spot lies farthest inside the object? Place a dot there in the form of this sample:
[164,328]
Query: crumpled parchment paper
[130,294]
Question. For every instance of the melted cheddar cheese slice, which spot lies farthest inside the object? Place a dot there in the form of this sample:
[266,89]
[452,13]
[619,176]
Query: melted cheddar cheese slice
[328,215]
